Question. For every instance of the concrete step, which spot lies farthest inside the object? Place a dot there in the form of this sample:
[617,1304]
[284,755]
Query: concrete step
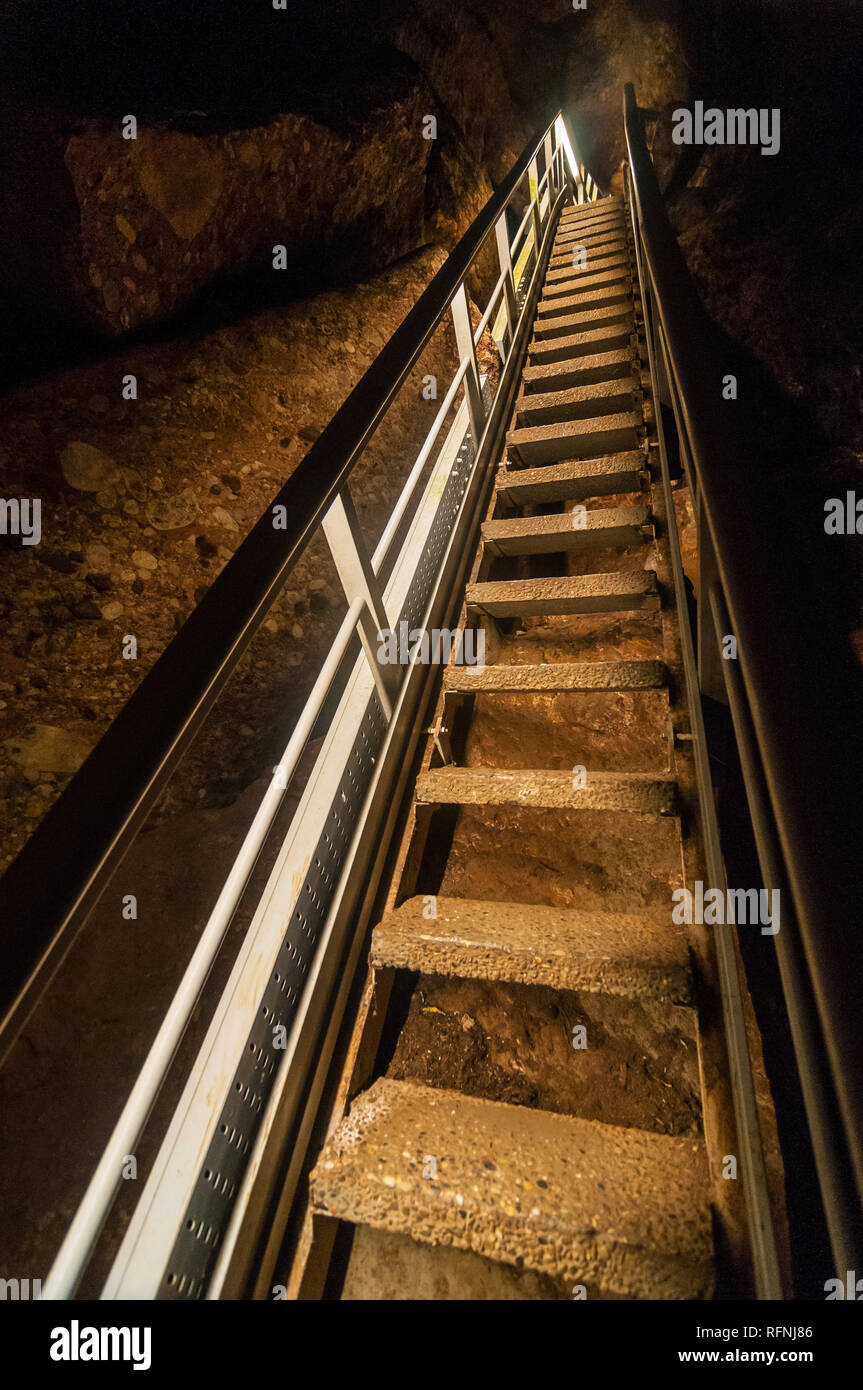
[595,265]
[589,212]
[584,593]
[583,370]
[604,528]
[594,226]
[580,284]
[555,677]
[588,1203]
[638,793]
[583,260]
[565,244]
[577,303]
[603,434]
[602,244]
[545,329]
[607,240]
[637,956]
[585,344]
[574,480]
[591,226]
[579,402]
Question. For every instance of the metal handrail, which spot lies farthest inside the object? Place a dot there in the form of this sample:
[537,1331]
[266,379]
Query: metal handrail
[363,579]
[53,884]
[803,693]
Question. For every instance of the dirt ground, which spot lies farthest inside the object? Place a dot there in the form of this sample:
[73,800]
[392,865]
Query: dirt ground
[514,1043]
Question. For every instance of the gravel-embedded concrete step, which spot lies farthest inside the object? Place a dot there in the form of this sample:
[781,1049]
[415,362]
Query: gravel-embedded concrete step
[583,370]
[564,253]
[604,528]
[592,226]
[573,480]
[585,344]
[579,402]
[584,593]
[579,284]
[606,241]
[616,1209]
[637,956]
[589,212]
[602,434]
[638,793]
[576,303]
[555,677]
[596,265]
[567,246]
[544,330]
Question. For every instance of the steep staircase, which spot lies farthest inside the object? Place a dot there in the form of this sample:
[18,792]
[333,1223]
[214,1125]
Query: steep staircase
[449,1191]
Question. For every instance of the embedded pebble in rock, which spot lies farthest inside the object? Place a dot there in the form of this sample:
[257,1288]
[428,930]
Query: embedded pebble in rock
[111,611]
[223,518]
[98,557]
[45,748]
[171,512]
[125,228]
[144,560]
[135,485]
[86,468]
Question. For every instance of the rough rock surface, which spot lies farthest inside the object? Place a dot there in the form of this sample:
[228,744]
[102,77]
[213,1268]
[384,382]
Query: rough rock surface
[150,221]
[144,500]
[310,135]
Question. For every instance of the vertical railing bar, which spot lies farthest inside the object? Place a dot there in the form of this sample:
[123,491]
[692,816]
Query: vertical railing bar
[460,309]
[505,261]
[342,530]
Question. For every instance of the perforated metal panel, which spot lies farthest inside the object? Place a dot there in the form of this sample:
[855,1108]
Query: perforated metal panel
[209,1209]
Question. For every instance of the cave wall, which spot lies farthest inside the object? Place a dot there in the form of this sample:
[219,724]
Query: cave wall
[260,129]
[311,136]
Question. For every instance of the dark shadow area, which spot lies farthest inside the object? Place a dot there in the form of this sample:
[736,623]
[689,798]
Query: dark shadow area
[200,67]
[40,338]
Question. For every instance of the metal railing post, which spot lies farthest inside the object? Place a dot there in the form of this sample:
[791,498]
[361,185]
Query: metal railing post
[549,165]
[466,350]
[342,530]
[536,210]
[505,261]
[709,640]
